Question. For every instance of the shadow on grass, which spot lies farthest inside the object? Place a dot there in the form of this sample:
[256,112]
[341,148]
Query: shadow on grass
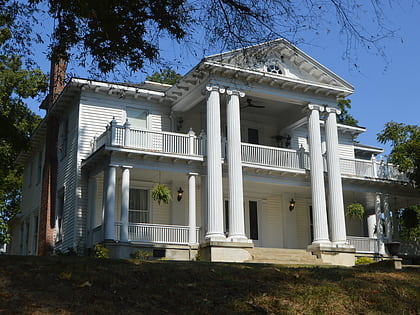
[80,285]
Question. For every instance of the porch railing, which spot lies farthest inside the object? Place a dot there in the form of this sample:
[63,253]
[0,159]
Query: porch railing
[150,140]
[364,244]
[157,233]
[371,169]
[274,157]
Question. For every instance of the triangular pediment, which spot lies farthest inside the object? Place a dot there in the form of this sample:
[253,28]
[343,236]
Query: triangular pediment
[280,59]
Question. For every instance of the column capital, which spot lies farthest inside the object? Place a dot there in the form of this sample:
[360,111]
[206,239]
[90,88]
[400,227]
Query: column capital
[126,166]
[332,110]
[235,92]
[193,174]
[317,107]
[215,87]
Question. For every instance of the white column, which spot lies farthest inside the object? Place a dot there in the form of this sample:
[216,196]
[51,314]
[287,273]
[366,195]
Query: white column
[379,231]
[319,208]
[110,179]
[236,199]
[92,190]
[337,220]
[214,167]
[192,239]
[125,199]
[387,216]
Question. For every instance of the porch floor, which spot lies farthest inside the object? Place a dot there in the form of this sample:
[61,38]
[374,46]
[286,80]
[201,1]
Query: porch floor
[283,256]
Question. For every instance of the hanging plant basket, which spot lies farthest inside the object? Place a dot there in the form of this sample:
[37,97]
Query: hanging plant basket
[161,193]
[355,210]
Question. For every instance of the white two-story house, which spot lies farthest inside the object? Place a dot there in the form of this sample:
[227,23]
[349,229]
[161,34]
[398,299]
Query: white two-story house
[247,142]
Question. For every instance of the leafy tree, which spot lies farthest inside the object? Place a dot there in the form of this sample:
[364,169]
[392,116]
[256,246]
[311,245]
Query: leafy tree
[410,223]
[165,76]
[405,152]
[128,32]
[345,117]
[17,123]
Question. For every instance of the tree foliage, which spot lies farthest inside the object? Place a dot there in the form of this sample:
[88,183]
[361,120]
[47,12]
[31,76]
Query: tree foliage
[345,117]
[405,151]
[129,32]
[410,223]
[165,76]
[17,123]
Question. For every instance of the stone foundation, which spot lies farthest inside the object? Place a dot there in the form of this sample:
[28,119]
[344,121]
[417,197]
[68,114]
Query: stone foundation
[123,250]
[340,255]
[225,251]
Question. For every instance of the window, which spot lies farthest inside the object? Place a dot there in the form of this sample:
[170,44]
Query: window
[137,118]
[63,139]
[59,217]
[274,69]
[139,206]
[253,220]
[227,217]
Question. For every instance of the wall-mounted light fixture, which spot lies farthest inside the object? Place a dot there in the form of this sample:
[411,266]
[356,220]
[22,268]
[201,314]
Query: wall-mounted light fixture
[180,194]
[292,204]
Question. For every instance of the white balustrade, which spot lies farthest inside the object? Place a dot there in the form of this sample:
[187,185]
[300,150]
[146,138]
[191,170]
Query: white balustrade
[371,169]
[159,141]
[363,244]
[271,156]
[157,233]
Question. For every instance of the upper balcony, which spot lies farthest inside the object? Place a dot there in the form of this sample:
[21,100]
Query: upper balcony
[193,147]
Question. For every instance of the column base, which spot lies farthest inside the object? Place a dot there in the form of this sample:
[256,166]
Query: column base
[238,239]
[334,254]
[215,238]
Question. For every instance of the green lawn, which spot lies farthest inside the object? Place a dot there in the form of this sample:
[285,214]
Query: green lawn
[80,285]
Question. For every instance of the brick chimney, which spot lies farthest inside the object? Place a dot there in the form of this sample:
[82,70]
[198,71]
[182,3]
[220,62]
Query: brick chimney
[49,175]
[57,83]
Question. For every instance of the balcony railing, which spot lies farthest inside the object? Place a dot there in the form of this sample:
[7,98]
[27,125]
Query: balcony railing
[371,169]
[151,140]
[274,157]
[259,155]
[364,244]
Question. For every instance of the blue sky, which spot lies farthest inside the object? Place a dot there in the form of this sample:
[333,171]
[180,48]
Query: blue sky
[385,89]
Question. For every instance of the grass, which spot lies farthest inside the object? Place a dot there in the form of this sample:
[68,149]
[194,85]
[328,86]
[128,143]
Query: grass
[82,285]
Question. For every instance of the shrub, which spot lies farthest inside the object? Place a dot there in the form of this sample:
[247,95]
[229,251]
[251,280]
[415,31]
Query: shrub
[364,260]
[141,254]
[100,251]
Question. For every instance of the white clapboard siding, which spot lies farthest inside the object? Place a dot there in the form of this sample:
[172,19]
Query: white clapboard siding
[271,221]
[67,177]
[161,213]
[302,223]
[31,192]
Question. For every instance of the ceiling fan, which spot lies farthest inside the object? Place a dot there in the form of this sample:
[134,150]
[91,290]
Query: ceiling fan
[249,104]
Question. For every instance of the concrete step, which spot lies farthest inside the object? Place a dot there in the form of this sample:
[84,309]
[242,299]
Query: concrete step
[283,256]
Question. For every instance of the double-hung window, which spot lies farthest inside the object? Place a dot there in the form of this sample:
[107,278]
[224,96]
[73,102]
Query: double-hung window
[139,211]
[137,117]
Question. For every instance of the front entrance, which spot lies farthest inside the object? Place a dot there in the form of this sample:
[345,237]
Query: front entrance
[251,215]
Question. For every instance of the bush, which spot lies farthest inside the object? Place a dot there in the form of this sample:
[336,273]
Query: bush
[141,254]
[364,260]
[100,251]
